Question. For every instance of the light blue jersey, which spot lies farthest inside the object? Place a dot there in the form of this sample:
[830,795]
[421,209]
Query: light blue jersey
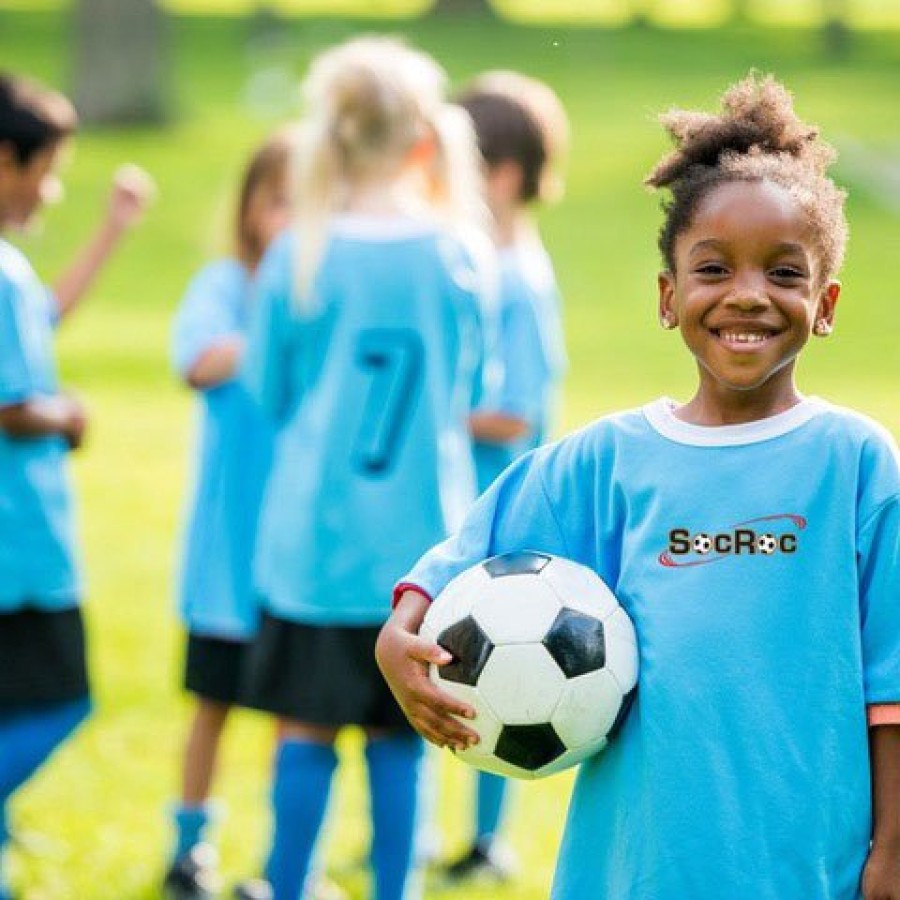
[760,564]
[371,393]
[39,564]
[233,460]
[531,354]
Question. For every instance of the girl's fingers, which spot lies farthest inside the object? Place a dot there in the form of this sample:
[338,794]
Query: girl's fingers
[425,651]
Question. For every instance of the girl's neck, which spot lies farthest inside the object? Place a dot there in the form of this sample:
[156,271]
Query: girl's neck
[380,198]
[513,225]
[715,405]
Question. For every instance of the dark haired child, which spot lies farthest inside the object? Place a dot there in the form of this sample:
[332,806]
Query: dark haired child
[522,133]
[761,757]
[234,455]
[44,692]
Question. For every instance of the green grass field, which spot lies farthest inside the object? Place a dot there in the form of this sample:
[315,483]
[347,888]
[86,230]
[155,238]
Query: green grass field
[95,821]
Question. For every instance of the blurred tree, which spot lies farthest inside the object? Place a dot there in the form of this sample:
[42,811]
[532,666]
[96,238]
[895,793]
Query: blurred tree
[119,65]
[462,7]
[836,17]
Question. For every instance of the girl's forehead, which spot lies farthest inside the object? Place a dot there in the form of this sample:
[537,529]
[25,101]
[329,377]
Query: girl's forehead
[749,210]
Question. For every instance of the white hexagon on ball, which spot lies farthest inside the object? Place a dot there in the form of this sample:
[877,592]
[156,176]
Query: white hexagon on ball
[522,684]
[524,611]
[621,650]
[577,587]
[457,599]
[587,710]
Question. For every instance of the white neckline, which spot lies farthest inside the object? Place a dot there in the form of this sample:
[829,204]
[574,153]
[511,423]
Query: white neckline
[661,416]
[381,226]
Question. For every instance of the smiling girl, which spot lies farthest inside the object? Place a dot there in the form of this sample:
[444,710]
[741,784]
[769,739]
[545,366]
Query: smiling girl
[762,755]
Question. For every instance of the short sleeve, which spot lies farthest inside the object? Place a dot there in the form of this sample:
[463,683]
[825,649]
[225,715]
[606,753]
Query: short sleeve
[208,314]
[879,580]
[266,371]
[17,379]
[526,375]
[513,514]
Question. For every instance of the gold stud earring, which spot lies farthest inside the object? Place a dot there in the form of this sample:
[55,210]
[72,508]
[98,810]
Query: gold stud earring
[822,328]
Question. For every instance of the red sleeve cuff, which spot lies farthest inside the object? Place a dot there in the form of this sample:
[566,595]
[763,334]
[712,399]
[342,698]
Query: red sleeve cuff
[405,586]
[883,714]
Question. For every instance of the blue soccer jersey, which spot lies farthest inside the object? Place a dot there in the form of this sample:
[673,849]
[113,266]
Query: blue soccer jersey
[233,460]
[530,352]
[371,392]
[760,565]
[39,564]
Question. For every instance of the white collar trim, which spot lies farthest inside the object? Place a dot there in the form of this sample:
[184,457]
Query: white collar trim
[374,227]
[661,416]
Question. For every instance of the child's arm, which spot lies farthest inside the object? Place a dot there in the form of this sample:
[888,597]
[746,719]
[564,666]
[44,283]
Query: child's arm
[217,364]
[881,877]
[39,416]
[497,427]
[132,191]
[403,658]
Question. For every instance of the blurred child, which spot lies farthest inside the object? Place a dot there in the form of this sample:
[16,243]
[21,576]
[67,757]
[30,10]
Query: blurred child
[522,133]
[745,767]
[44,693]
[365,352]
[234,455]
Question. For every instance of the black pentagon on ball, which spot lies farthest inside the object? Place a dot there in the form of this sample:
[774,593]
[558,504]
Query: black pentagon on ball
[470,648]
[576,642]
[520,562]
[627,702]
[529,747]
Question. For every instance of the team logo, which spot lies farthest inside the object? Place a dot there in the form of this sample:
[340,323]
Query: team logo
[765,536]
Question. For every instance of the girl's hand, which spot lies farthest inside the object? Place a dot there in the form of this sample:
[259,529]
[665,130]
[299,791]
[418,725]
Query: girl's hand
[881,875]
[403,658]
[74,420]
[133,190]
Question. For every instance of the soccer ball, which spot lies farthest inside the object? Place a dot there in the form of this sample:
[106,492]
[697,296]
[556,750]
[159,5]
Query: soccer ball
[543,652]
[767,543]
[703,543]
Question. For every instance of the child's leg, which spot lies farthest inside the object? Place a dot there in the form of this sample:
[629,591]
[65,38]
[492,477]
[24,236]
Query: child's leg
[27,739]
[394,761]
[304,766]
[192,814]
[490,804]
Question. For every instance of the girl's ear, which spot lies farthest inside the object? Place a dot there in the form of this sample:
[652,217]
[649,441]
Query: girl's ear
[668,316]
[823,324]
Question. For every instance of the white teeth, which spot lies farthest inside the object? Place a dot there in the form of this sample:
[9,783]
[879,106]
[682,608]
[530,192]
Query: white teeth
[744,337]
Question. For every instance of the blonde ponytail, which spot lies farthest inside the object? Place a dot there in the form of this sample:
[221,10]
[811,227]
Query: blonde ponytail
[369,102]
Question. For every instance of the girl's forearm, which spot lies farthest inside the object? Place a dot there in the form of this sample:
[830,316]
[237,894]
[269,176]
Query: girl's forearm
[497,428]
[36,417]
[884,749]
[217,364]
[74,283]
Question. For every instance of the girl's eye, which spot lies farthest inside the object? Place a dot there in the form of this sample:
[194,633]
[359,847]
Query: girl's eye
[711,269]
[787,273]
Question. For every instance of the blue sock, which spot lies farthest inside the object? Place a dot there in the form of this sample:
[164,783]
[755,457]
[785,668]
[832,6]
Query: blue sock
[190,827]
[490,806]
[394,763]
[27,738]
[300,789]
[4,837]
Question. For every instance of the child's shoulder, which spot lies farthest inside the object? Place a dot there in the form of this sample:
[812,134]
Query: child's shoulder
[14,265]
[843,423]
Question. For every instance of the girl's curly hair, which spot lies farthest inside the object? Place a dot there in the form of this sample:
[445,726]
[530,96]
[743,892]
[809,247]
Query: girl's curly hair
[756,137]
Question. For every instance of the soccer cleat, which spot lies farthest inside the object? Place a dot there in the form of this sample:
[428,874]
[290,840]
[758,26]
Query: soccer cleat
[193,876]
[254,889]
[485,861]
[259,889]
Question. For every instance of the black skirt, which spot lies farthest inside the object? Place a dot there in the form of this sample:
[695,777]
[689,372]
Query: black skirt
[214,668]
[42,658]
[322,675]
